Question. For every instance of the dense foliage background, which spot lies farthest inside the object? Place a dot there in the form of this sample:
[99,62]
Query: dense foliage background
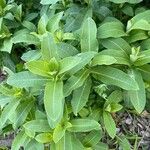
[75,74]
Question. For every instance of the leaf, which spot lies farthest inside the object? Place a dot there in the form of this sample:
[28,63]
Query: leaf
[120,56]
[44,138]
[145,44]
[113,107]
[75,21]
[101,146]
[144,59]
[109,124]
[42,24]
[34,126]
[80,96]
[139,25]
[25,37]
[26,79]
[137,35]
[124,143]
[31,55]
[75,82]
[111,29]
[7,111]
[84,125]
[84,58]
[88,36]
[143,15]
[20,114]
[110,75]
[59,131]
[123,1]
[34,145]
[48,47]
[66,50]
[53,23]
[7,45]
[117,44]
[47,2]
[68,63]
[19,140]
[115,97]
[69,141]
[39,67]
[53,102]
[103,60]
[4,100]
[2,3]
[92,138]
[145,72]
[137,97]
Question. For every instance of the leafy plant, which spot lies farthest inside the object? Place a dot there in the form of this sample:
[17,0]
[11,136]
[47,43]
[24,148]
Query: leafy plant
[71,66]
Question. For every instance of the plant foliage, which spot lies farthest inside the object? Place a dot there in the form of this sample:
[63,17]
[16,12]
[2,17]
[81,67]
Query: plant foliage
[70,66]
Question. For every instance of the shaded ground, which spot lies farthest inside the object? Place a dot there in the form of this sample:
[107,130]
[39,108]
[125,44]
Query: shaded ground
[136,128]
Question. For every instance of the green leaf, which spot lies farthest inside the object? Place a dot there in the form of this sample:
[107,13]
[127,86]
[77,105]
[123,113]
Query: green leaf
[113,107]
[84,58]
[69,141]
[111,29]
[145,72]
[19,140]
[145,44]
[123,1]
[109,124]
[120,56]
[2,3]
[84,125]
[140,16]
[39,67]
[117,44]
[92,138]
[137,97]
[34,145]
[35,126]
[137,35]
[59,131]
[110,75]
[18,13]
[75,82]
[115,97]
[7,45]
[4,100]
[31,55]
[44,138]
[143,59]
[68,63]
[42,24]
[101,146]
[103,60]
[74,22]
[124,143]
[53,23]
[88,36]
[26,79]
[66,50]
[48,47]
[20,114]
[47,2]
[53,102]
[139,25]
[7,111]
[25,37]
[80,96]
